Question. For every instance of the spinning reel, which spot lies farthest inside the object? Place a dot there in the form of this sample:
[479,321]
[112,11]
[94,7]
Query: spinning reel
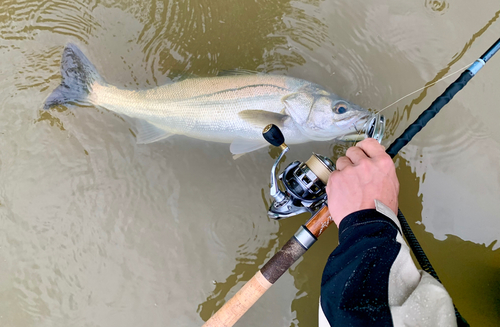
[305,182]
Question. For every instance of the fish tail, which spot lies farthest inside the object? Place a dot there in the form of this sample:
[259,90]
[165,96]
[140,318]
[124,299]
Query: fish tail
[78,75]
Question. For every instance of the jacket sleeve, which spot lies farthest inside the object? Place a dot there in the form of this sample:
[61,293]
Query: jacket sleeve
[371,280]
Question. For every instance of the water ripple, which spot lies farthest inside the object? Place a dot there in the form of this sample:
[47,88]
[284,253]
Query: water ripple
[191,36]
[21,20]
[38,69]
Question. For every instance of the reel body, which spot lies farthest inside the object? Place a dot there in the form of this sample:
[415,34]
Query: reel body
[305,182]
[304,188]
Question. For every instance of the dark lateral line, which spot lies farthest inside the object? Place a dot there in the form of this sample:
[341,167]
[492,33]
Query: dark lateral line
[232,90]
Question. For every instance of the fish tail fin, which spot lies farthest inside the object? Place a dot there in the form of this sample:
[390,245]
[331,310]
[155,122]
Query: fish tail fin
[78,75]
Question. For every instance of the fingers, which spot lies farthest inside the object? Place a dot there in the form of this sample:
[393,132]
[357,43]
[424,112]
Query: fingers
[371,147]
[368,148]
[356,154]
[343,162]
[352,156]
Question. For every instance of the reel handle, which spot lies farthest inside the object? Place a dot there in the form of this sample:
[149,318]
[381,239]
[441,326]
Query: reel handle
[273,135]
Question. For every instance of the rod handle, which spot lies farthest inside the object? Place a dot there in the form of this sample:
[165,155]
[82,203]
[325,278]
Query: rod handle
[243,300]
[319,222]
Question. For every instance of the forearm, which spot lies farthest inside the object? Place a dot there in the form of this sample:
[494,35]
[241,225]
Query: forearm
[370,279]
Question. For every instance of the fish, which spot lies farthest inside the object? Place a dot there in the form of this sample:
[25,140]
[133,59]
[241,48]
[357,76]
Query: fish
[233,108]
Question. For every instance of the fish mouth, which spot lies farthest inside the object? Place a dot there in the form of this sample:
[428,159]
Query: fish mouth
[373,127]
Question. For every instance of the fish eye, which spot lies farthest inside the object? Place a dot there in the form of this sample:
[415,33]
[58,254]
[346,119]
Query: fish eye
[340,108]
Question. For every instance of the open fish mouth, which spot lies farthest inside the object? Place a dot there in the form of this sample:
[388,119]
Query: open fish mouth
[374,127]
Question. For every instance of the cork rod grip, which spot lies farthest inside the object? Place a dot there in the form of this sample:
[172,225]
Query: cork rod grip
[236,307]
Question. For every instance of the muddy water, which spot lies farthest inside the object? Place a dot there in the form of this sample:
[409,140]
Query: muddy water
[98,231]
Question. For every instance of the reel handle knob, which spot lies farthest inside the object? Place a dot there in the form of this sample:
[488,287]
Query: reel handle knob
[273,135]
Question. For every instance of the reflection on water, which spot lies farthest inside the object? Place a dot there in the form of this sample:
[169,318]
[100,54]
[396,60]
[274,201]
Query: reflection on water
[98,231]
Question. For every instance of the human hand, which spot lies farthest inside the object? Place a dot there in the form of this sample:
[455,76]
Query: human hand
[366,173]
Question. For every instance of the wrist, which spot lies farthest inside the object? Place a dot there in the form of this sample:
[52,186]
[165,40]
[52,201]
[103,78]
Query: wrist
[361,218]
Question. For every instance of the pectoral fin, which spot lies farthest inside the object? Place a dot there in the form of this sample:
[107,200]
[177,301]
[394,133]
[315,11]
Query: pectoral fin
[241,146]
[262,118]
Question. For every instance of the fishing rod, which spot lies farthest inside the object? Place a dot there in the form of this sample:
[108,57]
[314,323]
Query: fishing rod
[416,127]
[305,184]
[305,191]
[441,101]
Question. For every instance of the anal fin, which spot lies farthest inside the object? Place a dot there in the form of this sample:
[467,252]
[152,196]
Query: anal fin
[148,132]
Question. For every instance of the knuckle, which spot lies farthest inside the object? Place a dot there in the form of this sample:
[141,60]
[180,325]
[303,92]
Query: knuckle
[369,141]
[347,170]
[332,178]
[350,150]
[386,160]
[341,159]
[342,162]
[364,162]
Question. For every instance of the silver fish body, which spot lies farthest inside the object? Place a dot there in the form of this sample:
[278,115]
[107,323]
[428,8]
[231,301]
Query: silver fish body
[228,109]
[205,108]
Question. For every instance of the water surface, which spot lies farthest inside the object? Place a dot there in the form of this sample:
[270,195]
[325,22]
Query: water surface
[98,231]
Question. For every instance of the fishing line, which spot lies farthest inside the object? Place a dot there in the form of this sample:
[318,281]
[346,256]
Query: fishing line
[426,86]
[420,89]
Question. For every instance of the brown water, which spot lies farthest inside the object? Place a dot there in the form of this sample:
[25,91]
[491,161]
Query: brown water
[98,231]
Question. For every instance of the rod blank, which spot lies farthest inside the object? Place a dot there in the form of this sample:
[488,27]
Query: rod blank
[441,101]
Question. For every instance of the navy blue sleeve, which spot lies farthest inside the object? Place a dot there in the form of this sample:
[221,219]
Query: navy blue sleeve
[354,287]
